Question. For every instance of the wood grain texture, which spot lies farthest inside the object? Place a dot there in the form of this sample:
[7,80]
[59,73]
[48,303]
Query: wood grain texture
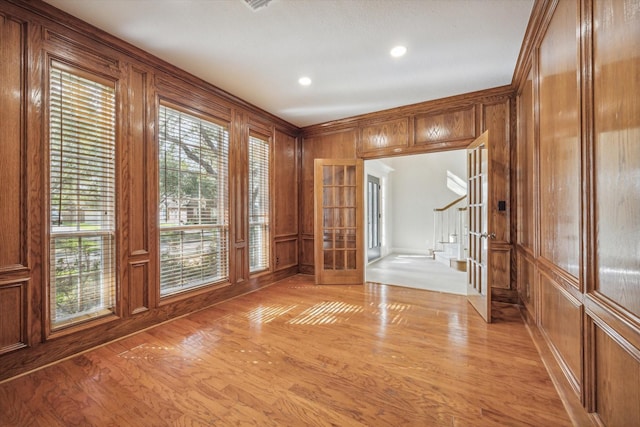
[616,93]
[618,376]
[560,181]
[286,252]
[385,135]
[285,184]
[500,262]
[13,320]
[298,354]
[452,125]
[561,321]
[12,153]
[527,289]
[525,168]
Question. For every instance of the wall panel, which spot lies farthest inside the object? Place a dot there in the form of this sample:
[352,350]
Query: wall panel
[138,297]
[616,94]
[13,315]
[12,152]
[525,169]
[560,142]
[454,125]
[497,122]
[527,290]
[285,184]
[561,320]
[390,135]
[286,253]
[617,381]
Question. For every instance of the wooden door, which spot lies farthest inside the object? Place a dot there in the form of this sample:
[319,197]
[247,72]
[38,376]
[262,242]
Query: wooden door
[338,221]
[479,199]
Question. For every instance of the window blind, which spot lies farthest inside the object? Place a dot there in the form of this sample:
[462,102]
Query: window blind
[193,201]
[258,204]
[82,198]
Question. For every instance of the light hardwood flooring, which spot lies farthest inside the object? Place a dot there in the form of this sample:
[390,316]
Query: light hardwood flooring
[295,354]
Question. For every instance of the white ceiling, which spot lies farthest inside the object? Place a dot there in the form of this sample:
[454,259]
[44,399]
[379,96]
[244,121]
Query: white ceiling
[454,47]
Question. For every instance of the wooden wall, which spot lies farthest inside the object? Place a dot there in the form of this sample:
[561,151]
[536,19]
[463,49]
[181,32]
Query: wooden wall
[444,124]
[578,199]
[31,35]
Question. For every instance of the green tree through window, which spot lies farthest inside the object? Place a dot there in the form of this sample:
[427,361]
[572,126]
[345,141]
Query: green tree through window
[193,201]
[82,197]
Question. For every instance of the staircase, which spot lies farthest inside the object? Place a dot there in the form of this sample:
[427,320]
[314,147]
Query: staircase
[450,234]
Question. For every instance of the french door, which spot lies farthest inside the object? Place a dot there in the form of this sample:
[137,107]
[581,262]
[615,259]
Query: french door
[338,221]
[479,199]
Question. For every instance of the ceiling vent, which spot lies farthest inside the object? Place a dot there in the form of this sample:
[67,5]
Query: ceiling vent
[257,4]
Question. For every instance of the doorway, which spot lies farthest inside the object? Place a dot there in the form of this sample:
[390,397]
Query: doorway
[411,188]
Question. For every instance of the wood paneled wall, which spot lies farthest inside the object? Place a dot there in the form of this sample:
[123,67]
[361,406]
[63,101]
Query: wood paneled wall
[578,199]
[444,124]
[32,34]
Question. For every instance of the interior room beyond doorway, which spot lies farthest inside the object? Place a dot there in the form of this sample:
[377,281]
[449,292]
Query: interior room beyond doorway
[409,230]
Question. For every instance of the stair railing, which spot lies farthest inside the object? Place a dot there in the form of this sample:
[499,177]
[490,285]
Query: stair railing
[450,225]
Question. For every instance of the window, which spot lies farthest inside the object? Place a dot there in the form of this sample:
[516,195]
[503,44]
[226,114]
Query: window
[193,201]
[258,204]
[81,197]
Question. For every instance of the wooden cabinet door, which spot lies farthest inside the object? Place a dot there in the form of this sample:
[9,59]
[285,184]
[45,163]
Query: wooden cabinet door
[338,221]
[479,199]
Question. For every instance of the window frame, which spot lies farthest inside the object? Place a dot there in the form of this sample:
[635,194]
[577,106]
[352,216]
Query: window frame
[226,216]
[268,141]
[110,313]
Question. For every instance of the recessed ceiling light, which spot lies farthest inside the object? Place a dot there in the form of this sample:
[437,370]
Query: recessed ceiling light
[304,81]
[398,51]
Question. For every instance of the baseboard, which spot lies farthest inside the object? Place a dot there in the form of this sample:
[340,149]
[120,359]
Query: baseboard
[408,251]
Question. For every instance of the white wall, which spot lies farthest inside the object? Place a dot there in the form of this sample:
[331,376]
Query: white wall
[419,185]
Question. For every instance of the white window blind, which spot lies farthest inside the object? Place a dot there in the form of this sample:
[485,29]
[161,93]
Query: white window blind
[193,201]
[258,204]
[82,199]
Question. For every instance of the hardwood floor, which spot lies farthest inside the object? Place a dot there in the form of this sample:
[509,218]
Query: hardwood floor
[296,354]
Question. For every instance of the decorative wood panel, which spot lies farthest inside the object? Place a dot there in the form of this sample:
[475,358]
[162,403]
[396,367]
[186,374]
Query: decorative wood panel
[286,253]
[560,156]
[526,283]
[452,125]
[240,264]
[12,151]
[616,100]
[306,254]
[138,176]
[285,184]
[617,367]
[13,315]
[561,320]
[138,287]
[384,136]
[525,168]
[500,267]
[496,121]
[78,49]
[238,199]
